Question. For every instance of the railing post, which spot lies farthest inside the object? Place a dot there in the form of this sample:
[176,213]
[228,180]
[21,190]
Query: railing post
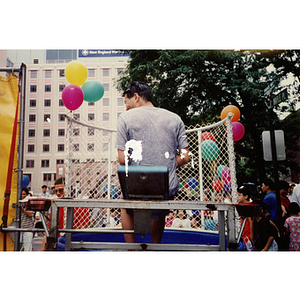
[53,232]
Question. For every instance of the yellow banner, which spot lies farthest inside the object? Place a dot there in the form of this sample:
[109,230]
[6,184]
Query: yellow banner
[8,104]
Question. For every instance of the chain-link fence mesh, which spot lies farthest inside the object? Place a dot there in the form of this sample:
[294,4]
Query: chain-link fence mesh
[91,167]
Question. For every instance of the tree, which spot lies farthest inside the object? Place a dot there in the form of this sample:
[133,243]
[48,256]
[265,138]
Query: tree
[197,85]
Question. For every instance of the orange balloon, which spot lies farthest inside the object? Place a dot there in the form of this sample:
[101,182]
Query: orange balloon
[233,109]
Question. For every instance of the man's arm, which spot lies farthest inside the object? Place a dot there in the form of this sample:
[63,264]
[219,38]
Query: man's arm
[183,157]
[121,157]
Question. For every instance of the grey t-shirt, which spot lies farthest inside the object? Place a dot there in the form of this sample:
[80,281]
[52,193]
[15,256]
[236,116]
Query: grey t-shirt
[162,133]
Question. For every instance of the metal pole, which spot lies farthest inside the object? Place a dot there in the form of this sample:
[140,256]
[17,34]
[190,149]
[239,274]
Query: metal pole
[20,152]
[275,165]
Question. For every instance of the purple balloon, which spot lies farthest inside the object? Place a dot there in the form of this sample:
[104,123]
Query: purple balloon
[227,187]
[72,96]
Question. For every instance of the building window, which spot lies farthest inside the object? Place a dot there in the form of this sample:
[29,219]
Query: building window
[90,147]
[60,161]
[46,132]
[75,147]
[46,117]
[91,72]
[47,102]
[105,147]
[60,147]
[106,87]
[46,148]
[76,117]
[91,117]
[61,117]
[120,101]
[91,103]
[31,118]
[30,163]
[33,74]
[105,72]
[61,103]
[33,89]
[31,133]
[61,73]
[61,87]
[45,163]
[30,149]
[48,73]
[61,132]
[105,117]
[105,101]
[76,131]
[47,88]
[47,177]
[91,131]
[32,103]
[120,71]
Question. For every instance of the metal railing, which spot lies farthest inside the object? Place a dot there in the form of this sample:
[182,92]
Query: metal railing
[70,204]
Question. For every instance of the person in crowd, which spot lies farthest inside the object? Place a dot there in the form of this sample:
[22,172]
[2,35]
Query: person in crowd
[285,202]
[267,188]
[296,194]
[170,218]
[44,192]
[26,222]
[292,226]
[244,197]
[164,143]
[81,214]
[262,232]
[98,215]
[181,220]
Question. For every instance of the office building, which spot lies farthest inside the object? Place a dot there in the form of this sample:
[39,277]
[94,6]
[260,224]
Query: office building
[45,125]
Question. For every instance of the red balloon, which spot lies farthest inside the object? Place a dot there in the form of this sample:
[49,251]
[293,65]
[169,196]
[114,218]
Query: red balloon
[238,130]
[72,96]
[207,136]
[217,185]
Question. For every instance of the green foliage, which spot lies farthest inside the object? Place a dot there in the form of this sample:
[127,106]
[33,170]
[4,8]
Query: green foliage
[198,84]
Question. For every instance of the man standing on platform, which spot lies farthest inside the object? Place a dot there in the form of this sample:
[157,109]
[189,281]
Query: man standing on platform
[163,140]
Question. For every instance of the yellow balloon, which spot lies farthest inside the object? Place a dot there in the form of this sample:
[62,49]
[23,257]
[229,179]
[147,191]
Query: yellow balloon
[76,73]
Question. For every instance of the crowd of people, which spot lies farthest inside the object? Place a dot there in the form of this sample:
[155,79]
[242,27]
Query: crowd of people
[267,231]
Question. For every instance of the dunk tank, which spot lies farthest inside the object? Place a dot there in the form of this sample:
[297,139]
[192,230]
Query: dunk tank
[202,215]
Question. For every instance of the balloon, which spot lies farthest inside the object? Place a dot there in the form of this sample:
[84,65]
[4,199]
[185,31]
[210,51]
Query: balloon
[207,136]
[25,181]
[233,109]
[76,73]
[210,224]
[113,190]
[227,187]
[93,91]
[210,150]
[226,174]
[214,166]
[72,96]
[217,185]
[220,169]
[192,182]
[238,130]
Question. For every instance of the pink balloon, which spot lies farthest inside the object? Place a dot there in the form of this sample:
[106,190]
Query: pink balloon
[238,130]
[226,174]
[72,96]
